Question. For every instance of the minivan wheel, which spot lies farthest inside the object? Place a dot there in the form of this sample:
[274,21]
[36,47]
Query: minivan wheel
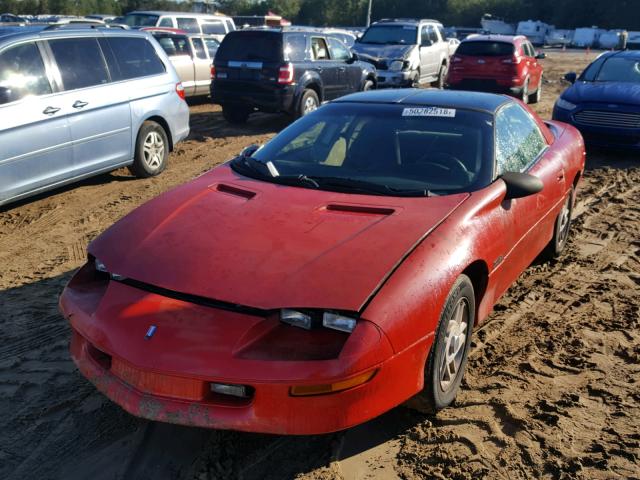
[235,115]
[308,103]
[152,151]
[447,358]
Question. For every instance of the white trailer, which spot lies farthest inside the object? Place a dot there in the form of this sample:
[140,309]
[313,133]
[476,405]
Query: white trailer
[559,37]
[587,37]
[534,30]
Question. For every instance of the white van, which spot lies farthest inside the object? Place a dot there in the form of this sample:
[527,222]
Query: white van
[200,23]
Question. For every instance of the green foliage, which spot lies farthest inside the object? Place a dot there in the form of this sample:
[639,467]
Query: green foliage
[562,13]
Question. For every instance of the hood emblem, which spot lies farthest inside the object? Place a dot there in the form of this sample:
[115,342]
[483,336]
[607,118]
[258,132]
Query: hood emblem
[150,332]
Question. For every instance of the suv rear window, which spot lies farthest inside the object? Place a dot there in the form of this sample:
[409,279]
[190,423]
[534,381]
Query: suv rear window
[241,46]
[485,49]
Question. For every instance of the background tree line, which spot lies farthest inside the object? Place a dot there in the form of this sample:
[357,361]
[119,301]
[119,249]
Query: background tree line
[562,13]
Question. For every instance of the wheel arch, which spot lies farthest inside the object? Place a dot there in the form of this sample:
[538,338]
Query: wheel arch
[164,124]
[478,273]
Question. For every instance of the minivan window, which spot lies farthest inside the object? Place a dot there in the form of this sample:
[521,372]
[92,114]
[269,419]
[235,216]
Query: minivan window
[22,73]
[240,46]
[140,20]
[485,49]
[135,57]
[213,27]
[80,62]
[188,25]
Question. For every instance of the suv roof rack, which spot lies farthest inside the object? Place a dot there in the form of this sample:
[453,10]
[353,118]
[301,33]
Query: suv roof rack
[83,26]
[408,20]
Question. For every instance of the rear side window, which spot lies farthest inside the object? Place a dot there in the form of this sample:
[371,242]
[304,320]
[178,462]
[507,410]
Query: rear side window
[241,46]
[188,24]
[485,49]
[295,47]
[166,22]
[198,48]
[518,140]
[22,73]
[133,58]
[80,62]
[212,47]
[213,27]
[173,45]
[319,49]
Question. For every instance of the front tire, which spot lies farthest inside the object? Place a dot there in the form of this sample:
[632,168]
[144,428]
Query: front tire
[368,85]
[152,151]
[561,229]
[447,358]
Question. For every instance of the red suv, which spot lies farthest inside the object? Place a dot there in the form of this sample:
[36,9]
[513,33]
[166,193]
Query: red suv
[497,63]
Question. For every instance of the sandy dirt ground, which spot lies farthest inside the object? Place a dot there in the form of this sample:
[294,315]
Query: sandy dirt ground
[551,391]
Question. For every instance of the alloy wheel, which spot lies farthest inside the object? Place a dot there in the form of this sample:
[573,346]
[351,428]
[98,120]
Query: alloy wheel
[454,344]
[153,150]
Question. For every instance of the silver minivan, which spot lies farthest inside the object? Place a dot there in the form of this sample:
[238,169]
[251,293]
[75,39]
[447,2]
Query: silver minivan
[76,102]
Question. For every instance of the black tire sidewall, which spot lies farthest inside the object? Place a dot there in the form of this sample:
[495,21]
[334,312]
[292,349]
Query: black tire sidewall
[558,247]
[441,399]
[303,98]
[368,85]
[139,167]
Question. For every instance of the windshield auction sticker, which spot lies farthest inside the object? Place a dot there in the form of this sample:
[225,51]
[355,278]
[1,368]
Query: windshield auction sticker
[429,112]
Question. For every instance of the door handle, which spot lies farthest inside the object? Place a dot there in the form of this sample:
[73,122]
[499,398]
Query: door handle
[79,104]
[50,110]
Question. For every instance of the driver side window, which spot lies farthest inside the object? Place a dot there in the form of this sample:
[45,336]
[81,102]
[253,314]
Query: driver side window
[518,140]
[338,51]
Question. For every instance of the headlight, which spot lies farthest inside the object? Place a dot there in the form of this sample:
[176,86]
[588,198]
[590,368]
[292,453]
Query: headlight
[564,105]
[396,65]
[312,319]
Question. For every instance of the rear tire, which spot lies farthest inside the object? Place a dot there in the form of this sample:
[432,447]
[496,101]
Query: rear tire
[235,115]
[309,102]
[415,83]
[152,151]
[447,358]
[536,97]
[524,95]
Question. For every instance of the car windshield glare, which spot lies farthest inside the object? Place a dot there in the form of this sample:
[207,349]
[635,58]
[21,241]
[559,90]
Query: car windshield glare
[383,34]
[403,149]
[619,69]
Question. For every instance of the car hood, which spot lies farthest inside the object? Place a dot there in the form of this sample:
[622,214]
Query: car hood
[252,243]
[603,92]
[381,52]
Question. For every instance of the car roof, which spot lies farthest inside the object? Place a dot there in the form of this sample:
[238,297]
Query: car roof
[45,31]
[486,102]
[406,21]
[634,54]
[182,14]
[495,38]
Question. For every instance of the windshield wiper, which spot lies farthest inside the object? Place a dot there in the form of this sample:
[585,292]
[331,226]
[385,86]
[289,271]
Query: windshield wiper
[353,184]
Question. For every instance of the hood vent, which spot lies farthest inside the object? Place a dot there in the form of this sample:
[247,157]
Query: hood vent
[361,209]
[236,191]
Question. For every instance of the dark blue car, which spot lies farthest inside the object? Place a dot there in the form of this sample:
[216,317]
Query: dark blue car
[604,102]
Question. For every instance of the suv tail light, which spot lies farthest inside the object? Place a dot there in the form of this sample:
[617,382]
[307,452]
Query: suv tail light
[213,72]
[285,75]
[180,90]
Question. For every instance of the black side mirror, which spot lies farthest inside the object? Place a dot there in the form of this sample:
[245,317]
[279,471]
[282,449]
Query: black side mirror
[521,184]
[571,77]
[541,55]
[249,151]
[5,95]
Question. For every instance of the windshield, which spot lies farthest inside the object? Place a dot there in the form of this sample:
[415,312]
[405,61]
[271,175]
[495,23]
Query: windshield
[140,20]
[387,34]
[619,69]
[485,49]
[380,149]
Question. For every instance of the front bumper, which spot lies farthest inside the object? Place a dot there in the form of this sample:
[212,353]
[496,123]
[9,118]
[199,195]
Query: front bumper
[387,78]
[167,377]
[599,135]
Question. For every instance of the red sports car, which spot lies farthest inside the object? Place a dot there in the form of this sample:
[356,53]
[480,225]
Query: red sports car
[337,271]
[498,63]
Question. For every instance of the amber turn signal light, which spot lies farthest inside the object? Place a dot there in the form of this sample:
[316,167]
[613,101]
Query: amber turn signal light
[304,390]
